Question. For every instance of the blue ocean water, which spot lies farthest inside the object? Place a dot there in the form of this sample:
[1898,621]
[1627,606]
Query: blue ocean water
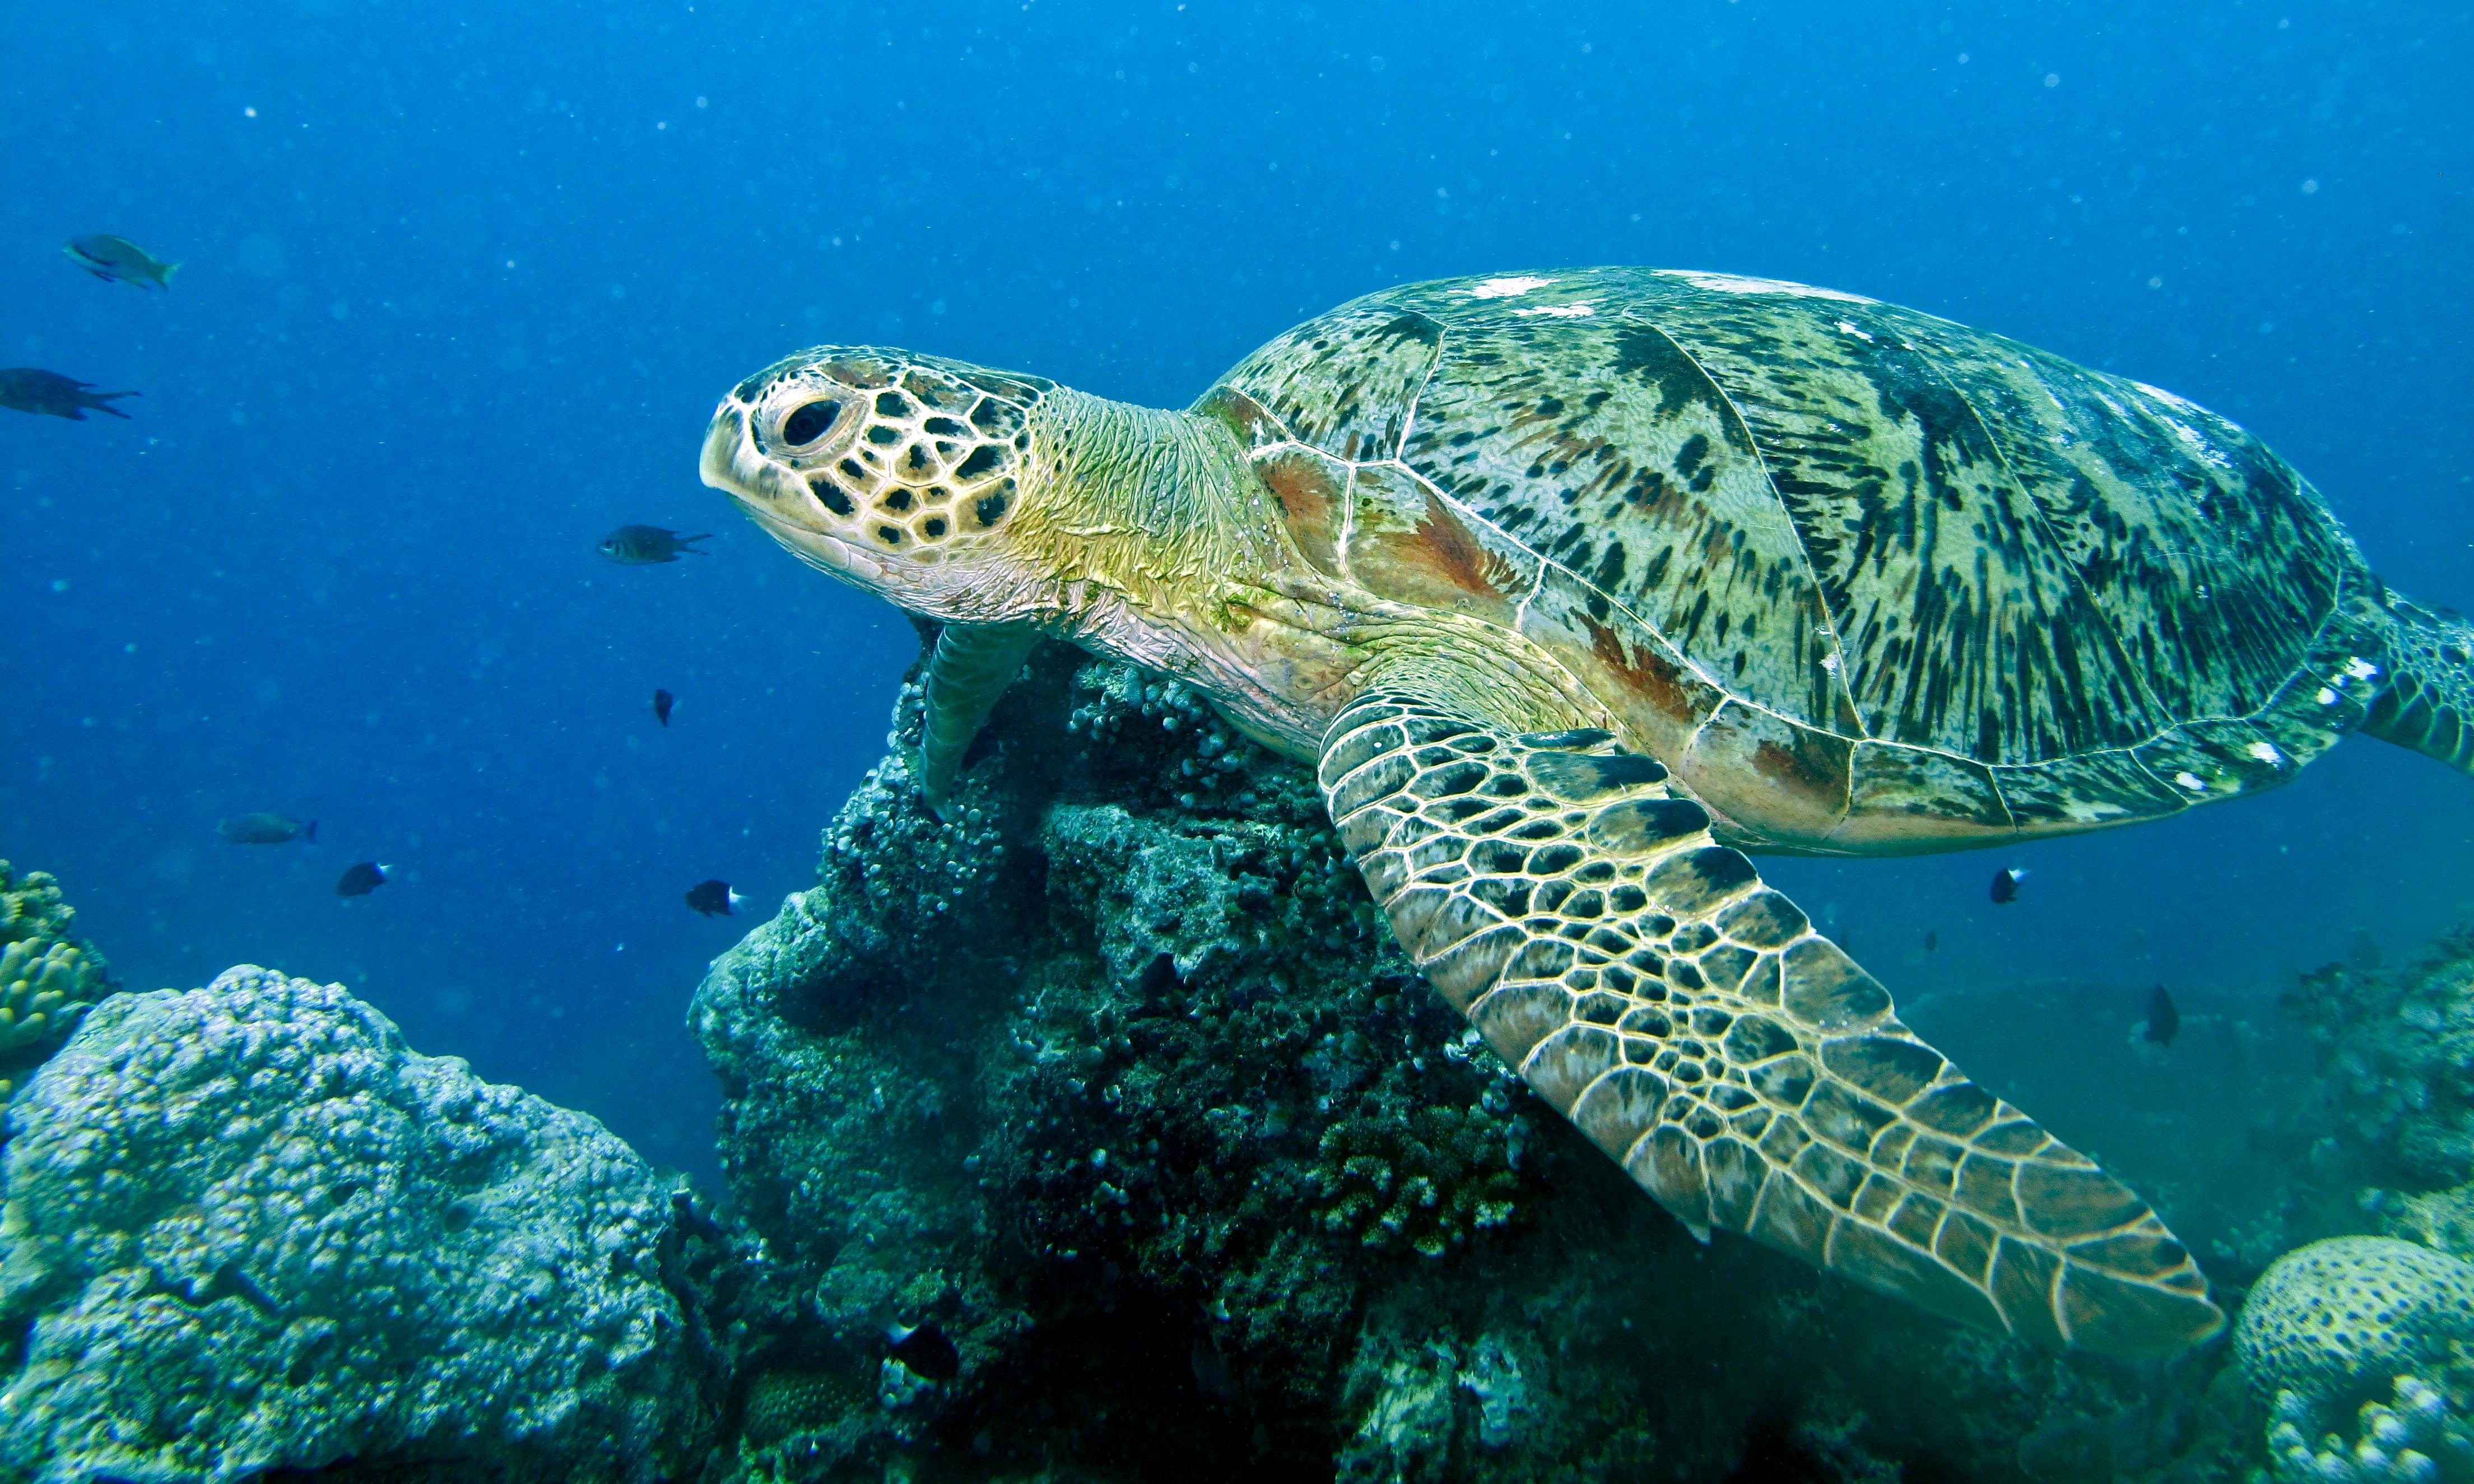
[461,285]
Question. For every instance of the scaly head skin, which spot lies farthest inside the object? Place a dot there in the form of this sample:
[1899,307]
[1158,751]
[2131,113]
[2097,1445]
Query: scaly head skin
[987,497]
[902,473]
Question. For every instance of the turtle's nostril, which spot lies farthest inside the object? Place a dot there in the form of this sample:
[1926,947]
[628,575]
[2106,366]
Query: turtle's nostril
[811,422]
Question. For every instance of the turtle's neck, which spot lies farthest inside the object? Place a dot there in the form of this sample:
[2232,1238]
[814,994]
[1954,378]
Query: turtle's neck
[1143,508]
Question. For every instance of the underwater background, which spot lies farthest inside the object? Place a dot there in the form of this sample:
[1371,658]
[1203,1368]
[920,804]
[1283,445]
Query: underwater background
[461,285]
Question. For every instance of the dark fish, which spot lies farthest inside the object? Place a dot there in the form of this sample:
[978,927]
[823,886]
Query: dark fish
[713,898]
[363,878]
[662,701]
[642,546]
[28,389]
[231,1282]
[2005,885]
[266,830]
[108,258]
[925,1349]
[1932,941]
[2163,1021]
[1211,1369]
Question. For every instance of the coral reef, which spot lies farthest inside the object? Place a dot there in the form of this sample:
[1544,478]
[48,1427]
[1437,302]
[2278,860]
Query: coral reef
[48,978]
[247,1228]
[1119,1082]
[2421,1439]
[2371,1327]
[2394,1116]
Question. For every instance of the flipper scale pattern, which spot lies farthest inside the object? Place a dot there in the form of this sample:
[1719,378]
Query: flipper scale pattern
[1738,1065]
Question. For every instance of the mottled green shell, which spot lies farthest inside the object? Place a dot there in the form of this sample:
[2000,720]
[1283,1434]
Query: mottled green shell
[1872,581]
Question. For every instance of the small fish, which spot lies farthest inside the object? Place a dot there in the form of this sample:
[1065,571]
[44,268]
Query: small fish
[2163,1021]
[2006,883]
[266,830]
[1932,941]
[363,878]
[662,701]
[28,389]
[714,898]
[925,1349]
[1211,1369]
[642,546]
[117,258]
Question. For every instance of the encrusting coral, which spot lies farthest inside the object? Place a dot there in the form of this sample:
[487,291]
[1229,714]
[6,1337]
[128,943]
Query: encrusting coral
[248,1230]
[48,978]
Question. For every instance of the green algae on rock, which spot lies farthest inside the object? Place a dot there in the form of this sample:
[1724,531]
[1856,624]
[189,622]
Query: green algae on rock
[49,977]
[248,1230]
[1118,1080]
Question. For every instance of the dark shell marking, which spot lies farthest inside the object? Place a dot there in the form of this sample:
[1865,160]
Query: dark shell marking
[1737,1064]
[1869,579]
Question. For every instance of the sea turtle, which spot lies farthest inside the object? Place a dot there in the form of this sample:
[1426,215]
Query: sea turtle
[1574,586]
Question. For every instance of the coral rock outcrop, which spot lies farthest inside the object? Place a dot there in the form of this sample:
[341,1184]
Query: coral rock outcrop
[1119,1082]
[248,1229]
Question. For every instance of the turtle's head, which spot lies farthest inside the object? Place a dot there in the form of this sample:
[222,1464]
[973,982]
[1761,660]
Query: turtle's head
[903,474]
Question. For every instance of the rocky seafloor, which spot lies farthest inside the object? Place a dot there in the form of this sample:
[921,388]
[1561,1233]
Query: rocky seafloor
[1112,1101]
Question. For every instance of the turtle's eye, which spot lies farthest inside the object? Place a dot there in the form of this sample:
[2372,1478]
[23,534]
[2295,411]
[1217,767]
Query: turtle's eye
[811,423]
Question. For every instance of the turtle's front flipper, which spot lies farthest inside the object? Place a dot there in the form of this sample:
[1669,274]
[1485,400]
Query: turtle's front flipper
[967,675]
[1735,1062]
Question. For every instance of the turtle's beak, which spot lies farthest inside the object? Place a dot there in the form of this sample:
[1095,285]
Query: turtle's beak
[777,499]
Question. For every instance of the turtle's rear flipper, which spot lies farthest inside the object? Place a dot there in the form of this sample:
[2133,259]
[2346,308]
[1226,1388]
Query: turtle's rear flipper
[1736,1064]
[2426,701]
